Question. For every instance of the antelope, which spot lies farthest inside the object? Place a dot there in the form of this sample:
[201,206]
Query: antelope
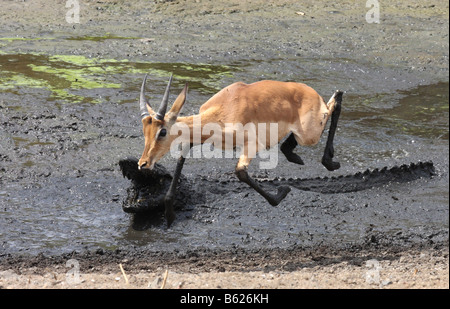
[299,111]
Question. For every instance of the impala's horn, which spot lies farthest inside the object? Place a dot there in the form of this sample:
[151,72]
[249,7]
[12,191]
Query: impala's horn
[163,108]
[143,103]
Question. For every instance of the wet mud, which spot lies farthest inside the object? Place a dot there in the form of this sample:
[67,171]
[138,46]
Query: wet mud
[70,132]
[148,188]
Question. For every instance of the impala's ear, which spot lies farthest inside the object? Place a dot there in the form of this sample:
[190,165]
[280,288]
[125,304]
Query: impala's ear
[178,104]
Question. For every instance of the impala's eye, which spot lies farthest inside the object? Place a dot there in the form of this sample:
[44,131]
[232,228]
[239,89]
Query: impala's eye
[162,133]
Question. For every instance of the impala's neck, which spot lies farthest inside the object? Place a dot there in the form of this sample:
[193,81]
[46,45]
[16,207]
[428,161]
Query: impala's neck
[194,124]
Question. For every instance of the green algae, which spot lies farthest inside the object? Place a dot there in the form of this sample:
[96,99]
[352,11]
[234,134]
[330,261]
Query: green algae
[99,38]
[69,77]
[11,39]
[107,36]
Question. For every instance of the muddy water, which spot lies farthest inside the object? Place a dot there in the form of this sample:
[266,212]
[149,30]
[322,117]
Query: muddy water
[66,121]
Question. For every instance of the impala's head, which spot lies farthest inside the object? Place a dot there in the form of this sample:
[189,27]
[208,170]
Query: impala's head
[156,126]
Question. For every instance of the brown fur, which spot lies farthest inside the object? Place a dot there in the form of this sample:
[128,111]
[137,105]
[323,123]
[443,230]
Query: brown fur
[295,107]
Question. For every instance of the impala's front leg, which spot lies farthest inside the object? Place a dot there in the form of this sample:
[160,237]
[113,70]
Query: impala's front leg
[169,212]
[241,173]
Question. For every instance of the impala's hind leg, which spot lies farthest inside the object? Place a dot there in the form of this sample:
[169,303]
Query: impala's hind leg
[287,147]
[327,159]
[241,173]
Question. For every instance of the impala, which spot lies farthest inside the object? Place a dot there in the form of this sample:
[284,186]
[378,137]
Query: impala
[298,110]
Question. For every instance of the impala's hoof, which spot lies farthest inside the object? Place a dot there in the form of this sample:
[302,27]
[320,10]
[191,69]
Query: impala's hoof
[169,213]
[331,165]
[294,158]
[170,217]
[282,192]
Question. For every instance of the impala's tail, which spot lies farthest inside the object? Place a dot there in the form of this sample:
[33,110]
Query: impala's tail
[335,100]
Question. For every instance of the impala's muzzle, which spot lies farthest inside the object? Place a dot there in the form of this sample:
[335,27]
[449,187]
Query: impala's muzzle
[145,165]
[141,165]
